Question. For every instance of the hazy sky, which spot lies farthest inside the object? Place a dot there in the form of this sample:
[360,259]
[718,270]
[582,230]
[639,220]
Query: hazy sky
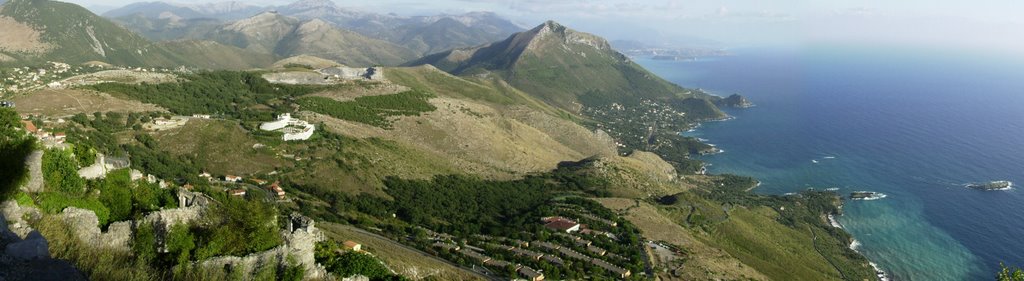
[989,24]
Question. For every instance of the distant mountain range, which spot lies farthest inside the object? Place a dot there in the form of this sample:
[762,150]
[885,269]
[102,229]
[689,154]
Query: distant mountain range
[284,36]
[420,34]
[558,65]
[39,30]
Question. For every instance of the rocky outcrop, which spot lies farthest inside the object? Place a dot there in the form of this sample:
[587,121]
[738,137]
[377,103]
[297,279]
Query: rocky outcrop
[85,225]
[118,236]
[356,278]
[35,172]
[369,73]
[102,166]
[24,253]
[300,240]
[17,216]
[298,78]
[735,101]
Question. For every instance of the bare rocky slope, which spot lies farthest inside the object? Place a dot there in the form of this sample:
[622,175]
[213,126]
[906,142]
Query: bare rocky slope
[284,36]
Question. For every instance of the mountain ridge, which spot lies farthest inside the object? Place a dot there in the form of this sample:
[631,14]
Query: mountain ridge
[421,34]
[57,31]
[565,67]
[285,36]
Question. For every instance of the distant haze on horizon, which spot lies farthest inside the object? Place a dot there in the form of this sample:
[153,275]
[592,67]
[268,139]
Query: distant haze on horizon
[993,25]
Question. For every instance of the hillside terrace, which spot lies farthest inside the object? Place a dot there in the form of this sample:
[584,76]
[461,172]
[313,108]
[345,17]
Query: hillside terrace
[537,250]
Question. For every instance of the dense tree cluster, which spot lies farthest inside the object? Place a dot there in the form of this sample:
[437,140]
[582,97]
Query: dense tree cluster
[237,227]
[60,172]
[233,94]
[464,205]
[15,146]
[1009,273]
[348,263]
[147,156]
[233,226]
[372,110]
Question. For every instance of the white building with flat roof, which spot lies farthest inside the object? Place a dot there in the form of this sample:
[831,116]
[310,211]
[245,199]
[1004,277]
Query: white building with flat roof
[281,122]
[294,129]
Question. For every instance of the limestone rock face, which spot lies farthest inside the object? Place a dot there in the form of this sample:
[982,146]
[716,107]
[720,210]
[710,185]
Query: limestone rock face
[16,215]
[35,170]
[356,278]
[118,235]
[85,225]
[300,240]
[82,222]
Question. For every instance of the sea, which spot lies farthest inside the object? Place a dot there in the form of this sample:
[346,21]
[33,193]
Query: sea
[916,124]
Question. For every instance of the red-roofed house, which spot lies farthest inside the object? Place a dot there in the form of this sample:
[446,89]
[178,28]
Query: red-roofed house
[352,246]
[236,192]
[561,224]
[29,127]
[277,190]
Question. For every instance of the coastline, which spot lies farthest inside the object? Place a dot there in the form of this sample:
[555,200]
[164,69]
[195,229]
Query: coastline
[854,244]
[832,220]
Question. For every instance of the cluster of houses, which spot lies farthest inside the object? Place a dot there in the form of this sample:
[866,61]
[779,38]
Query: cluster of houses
[573,254]
[49,139]
[294,129]
[550,252]
[240,190]
[474,253]
[565,225]
[24,78]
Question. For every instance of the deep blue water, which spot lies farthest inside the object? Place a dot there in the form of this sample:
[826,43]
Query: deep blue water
[916,125]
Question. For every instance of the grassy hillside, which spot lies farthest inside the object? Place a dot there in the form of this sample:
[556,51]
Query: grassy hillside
[319,38]
[230,145]
[721,230]
[213,55]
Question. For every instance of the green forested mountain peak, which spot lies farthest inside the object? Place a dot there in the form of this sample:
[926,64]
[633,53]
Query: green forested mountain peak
[562,66]
[51,30]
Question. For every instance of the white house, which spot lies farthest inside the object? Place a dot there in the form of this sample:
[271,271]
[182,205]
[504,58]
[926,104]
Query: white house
[281,122]
[304,134]
[301,130]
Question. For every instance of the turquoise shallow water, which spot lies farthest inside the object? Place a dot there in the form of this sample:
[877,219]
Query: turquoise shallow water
[915,125]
